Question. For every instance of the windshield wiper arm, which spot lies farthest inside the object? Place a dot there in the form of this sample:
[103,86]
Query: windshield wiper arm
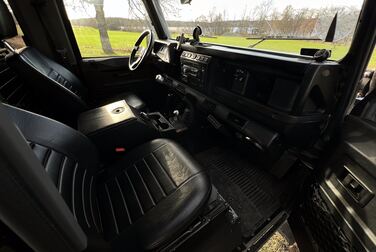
[258,42]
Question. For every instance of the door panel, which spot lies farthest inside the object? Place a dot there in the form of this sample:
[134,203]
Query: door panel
[109,77]
[349,183]
[103,39]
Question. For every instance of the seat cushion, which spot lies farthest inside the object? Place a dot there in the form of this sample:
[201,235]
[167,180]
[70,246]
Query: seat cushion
[151,196]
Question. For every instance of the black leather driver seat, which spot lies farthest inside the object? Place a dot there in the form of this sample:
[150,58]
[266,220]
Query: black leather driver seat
[58,90]
[143,201]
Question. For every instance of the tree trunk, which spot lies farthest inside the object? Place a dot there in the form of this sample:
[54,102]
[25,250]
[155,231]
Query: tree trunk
[102,27]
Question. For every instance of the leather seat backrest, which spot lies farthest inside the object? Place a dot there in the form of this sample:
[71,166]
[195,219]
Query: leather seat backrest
[56,86]
[31,205]
[68,157]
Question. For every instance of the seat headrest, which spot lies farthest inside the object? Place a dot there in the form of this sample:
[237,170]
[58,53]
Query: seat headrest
[7,25]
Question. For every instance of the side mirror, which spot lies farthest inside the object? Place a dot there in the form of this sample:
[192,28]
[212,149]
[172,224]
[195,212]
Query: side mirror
[185,1]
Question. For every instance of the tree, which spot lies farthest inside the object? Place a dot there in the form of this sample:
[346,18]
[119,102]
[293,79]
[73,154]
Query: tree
[83,6]
[204,23]
[243,24]
[260,15]
[287,18]
[136,10]
[102,25]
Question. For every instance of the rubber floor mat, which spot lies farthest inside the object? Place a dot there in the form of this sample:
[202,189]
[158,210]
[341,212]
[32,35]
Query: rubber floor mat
[254,194]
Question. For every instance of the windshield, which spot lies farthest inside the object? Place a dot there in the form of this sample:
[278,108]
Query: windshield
[280,25]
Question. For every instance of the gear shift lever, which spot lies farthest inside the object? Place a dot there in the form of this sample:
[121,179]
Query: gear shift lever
[145,116]
[168,101]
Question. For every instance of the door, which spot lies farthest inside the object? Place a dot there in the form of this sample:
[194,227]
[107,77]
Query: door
[341,210]
[103,34]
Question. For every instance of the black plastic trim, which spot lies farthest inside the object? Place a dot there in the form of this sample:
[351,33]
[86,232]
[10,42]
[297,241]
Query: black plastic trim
[156,16]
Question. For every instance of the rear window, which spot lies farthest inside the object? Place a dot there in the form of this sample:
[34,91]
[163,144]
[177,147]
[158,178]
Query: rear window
[283,25]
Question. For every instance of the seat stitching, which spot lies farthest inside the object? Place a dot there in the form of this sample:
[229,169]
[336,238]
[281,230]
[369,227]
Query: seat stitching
[155,178]
[83,198]
[145,185]
[62,168]
[73,186]
[50,149]
[99,214]
[163,169]
[134,192]
[125,203]
[46,157]
[91,203]
[112,208]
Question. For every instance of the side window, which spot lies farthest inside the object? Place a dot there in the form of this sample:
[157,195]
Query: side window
[106,27]
[372,62]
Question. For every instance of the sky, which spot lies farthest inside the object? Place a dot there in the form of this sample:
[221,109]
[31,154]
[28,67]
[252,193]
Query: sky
[236,7]
[119,8]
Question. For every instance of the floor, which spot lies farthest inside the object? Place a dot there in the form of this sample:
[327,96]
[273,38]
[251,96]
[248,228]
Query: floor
[254,194]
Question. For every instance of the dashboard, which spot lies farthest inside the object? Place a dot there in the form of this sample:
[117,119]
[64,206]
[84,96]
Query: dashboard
[164,51]
[264,95]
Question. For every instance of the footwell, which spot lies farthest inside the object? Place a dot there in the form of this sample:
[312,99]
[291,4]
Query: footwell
[253,193]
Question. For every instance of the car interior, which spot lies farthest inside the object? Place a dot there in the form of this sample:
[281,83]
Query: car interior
[182,146]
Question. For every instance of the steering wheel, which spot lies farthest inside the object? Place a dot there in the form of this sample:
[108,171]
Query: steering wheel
[140,53]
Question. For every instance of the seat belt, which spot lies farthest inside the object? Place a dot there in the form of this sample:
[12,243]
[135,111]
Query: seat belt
[366,108]
[61,54]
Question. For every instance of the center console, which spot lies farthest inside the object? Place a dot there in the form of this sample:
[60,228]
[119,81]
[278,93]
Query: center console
[106,117]
[117,127]
[194,69]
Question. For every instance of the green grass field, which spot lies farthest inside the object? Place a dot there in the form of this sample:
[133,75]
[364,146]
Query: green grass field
[122,43]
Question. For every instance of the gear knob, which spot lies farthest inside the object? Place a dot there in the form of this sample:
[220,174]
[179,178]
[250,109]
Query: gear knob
[144,116]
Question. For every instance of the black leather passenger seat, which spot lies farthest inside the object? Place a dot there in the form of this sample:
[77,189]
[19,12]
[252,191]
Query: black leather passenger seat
[143,201]
[61,93]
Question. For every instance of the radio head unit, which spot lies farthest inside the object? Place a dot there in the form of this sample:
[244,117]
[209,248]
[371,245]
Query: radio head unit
[194,68]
